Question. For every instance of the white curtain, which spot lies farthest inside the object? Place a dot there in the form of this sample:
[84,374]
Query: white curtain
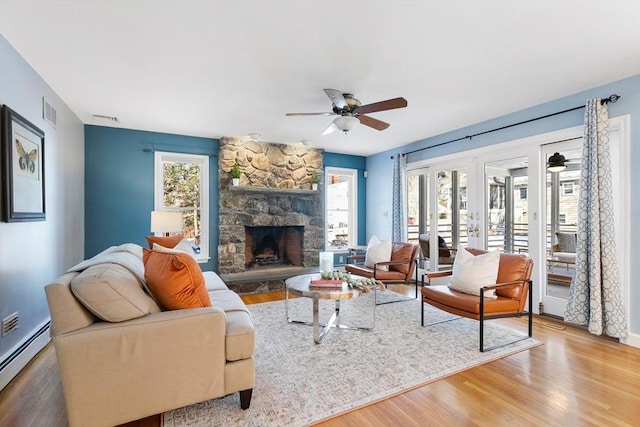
[399,208]
[595,298]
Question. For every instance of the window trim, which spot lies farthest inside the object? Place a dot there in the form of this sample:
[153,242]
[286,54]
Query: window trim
[352,240]
[566,186]
[203,160]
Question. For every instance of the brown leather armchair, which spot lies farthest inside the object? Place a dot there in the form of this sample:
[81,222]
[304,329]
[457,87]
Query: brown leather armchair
[401,266]
[513,287]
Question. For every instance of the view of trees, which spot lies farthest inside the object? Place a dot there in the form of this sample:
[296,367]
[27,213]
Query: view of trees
[182,193]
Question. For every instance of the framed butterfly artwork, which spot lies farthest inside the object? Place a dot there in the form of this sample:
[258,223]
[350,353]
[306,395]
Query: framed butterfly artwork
[22,168]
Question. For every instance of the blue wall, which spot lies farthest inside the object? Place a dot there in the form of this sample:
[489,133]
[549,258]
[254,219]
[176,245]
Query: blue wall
[119,185]
[381,169]
[359,163]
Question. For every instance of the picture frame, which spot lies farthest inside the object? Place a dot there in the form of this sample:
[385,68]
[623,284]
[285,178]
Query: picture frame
[22,171]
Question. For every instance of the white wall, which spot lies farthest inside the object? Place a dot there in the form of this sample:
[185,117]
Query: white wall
[34,253]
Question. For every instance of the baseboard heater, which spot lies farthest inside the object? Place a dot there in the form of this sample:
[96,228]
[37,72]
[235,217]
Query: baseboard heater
[22,350]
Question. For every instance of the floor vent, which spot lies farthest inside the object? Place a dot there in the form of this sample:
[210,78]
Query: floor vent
[10,324]
[49,114]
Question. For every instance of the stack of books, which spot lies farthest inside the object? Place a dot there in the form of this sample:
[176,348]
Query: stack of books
[326,283]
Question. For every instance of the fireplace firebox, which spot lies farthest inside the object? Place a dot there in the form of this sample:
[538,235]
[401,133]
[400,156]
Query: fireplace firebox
[273,246]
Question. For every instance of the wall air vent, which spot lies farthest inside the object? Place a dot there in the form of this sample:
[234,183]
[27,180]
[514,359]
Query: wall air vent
[10,324]
[49,114]
[101,117]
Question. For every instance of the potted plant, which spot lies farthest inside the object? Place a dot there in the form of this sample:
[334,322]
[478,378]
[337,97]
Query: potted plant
[314,180]
[235,174]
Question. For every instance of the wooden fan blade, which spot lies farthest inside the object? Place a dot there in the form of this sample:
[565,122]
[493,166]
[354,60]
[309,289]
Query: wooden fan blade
[336,97]
[311,114]
[373,123]
[389,104]
[330,129]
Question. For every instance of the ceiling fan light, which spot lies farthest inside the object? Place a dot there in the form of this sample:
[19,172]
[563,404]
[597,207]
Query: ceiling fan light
[556,163]
[346,123]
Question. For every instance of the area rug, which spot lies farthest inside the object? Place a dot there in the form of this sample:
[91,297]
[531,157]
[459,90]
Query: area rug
[299,383]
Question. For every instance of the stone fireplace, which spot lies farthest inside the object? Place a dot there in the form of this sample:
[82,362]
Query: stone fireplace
[272,219]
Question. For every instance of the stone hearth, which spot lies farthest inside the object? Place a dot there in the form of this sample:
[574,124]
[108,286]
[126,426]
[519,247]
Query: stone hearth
[274,191]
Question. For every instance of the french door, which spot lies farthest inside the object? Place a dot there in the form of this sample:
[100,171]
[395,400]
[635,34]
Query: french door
[503,198]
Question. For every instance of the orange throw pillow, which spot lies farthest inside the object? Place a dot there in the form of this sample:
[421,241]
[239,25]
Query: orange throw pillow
[166,241]
[175,280]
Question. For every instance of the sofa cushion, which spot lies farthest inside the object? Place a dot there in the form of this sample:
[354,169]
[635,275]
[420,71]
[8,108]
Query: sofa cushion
[240,332]
[166,241]
[213,282]
[471,273]
[461,303]
[112,293]
[378,251]
[175,280]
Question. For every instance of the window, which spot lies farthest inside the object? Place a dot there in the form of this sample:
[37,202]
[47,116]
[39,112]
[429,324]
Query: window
[182,184]
[523,193]
[341,201]
[567,188]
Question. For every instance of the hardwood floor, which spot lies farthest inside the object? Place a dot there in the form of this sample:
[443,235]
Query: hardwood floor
[574,379]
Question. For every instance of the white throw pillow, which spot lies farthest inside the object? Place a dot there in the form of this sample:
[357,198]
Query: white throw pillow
[470,273]
[378,251]
[183,247]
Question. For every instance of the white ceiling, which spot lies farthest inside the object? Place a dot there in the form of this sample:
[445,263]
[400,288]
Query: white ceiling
[229,68]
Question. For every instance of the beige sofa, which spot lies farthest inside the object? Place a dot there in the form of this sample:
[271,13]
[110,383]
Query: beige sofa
[114,371]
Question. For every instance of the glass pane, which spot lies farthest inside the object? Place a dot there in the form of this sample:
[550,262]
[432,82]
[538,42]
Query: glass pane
[413,208]
[181,184]
[452,209]
[191,227]
[562,218]
[507,204]
[338,203]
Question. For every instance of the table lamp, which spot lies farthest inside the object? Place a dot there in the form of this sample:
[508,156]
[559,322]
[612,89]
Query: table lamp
[166,222]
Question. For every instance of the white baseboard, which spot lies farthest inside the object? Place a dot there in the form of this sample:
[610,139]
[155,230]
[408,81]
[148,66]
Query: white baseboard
[633,340]
[32,345]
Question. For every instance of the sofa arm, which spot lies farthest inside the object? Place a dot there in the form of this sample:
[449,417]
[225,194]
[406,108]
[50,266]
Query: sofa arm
[117,372]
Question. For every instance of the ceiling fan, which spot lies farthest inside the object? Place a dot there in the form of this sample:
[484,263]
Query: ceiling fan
[351,113]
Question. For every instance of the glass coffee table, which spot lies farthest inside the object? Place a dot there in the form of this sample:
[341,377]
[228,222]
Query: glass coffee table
[301,286]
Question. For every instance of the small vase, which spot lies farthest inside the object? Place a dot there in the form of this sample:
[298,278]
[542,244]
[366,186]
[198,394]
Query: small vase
[235,181]
[314,186]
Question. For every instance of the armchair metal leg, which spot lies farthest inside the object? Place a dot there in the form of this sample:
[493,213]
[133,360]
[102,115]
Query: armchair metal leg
[407,282]
[529,314]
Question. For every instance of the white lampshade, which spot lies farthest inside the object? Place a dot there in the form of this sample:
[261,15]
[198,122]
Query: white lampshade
[346,123]
[166,222]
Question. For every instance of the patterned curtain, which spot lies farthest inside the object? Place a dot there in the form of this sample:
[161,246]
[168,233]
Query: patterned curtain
[399,208]
[595,298]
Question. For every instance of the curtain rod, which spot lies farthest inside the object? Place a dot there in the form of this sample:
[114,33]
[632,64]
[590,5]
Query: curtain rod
[611,99]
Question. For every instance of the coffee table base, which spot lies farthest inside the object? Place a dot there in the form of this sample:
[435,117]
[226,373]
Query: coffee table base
[320,334]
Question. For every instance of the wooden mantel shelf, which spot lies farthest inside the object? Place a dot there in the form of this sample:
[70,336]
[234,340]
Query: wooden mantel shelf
[246,189]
